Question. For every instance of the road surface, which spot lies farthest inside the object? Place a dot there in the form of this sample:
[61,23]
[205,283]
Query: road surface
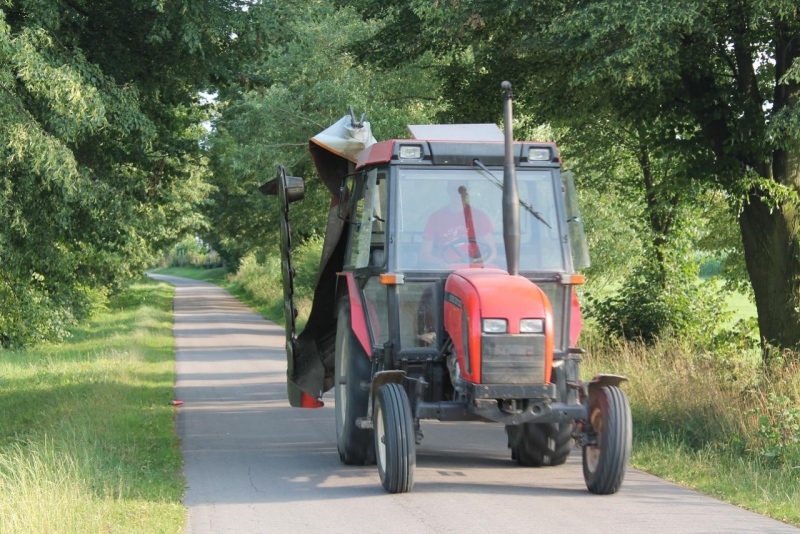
[255,465]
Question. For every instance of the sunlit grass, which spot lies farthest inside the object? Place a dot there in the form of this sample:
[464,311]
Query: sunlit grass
[743,480]
[87,438]
[740,306]
[216,276]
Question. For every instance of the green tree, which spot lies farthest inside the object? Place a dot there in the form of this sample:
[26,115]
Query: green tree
[716,81]
[100,165]
[300,82]
[621,147]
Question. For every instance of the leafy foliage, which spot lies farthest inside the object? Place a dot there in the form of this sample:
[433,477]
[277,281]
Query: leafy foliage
[706,91]
[298,83]
[779,430]
[659,300]
[100,166]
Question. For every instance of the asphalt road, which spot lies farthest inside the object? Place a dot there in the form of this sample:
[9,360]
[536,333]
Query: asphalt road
[255,465]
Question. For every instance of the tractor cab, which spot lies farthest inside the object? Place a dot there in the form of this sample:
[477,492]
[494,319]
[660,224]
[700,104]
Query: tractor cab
[421,209]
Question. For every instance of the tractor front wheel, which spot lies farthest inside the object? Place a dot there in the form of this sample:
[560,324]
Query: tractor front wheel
[394,439]
[352,368]
[604,463]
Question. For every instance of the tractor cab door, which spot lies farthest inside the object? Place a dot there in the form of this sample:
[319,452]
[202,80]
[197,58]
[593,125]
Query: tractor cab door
[366,254]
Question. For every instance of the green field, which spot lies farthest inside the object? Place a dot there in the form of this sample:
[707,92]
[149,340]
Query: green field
[87,434]
[740,306]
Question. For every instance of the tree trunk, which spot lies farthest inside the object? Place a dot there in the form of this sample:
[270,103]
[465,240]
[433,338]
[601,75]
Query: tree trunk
[772,255]
[660,211]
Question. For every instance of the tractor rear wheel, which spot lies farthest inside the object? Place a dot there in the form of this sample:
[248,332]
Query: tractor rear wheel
[540,444]
[394,439]
[352,368]
[604,464]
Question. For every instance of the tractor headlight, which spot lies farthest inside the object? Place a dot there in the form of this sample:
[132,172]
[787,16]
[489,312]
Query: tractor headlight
[495,326]
[538,154]
[410,152]
[531,326]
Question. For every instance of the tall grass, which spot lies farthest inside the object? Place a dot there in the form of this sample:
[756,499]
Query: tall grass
[87,439]
[721,423]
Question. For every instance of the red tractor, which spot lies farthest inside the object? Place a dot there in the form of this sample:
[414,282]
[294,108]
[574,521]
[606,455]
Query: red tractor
[445,292]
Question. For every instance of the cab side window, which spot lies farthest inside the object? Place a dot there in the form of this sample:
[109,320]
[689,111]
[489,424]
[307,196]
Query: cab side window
[368,222]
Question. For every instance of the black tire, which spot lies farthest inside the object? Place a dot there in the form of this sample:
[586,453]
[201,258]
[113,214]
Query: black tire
[540,444]
[394,439]
[352,367]
[604,465]
[543,444]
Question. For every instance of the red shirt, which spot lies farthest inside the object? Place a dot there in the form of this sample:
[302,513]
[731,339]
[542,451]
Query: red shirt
[446,226]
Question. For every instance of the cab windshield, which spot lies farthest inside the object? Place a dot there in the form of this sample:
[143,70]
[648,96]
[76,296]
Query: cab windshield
[451,219]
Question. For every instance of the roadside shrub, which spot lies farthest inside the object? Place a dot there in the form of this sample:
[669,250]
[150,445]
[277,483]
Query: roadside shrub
[262,279]
[779,430]
[192,252]
[661,300]
[31,312]
[306,259]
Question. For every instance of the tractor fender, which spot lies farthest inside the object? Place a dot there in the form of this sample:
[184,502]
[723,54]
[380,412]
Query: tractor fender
[357,317]
[379,379]
[603,380]
[384,377]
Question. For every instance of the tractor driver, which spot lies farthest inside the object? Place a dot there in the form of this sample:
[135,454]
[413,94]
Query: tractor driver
[457,233]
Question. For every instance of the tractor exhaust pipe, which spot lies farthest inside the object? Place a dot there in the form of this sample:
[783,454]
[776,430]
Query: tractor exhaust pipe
[510,194]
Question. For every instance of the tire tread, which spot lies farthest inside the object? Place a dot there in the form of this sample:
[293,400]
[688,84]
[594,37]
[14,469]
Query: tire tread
[399,439]
[530,443]
[356,446]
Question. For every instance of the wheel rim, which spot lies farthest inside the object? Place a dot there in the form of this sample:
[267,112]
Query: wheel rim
[592,451]
[380,438]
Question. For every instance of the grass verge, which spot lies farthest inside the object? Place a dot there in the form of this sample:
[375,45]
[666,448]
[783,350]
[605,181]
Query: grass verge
[87,437]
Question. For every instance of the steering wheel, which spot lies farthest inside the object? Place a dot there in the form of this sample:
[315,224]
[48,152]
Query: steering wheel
[463,252]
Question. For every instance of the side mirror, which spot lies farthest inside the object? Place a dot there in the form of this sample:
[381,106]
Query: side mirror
[577,236]
[346,193]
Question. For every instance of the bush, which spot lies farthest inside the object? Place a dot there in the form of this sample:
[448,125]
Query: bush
[710,267]
[779,430]
[659,300]
[192,252]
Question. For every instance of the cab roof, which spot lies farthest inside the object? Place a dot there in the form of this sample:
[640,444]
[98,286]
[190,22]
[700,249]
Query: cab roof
[456,153]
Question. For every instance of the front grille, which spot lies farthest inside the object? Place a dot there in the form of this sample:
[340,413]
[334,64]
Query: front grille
[512,359]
